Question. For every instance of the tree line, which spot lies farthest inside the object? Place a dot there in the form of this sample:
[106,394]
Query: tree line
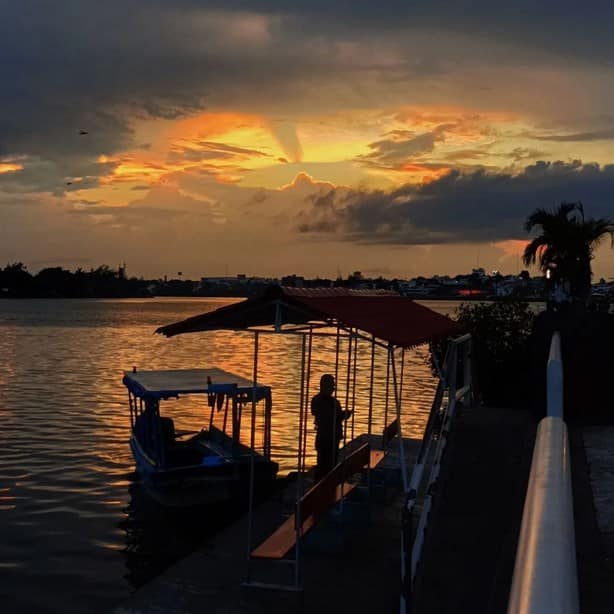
[55,282]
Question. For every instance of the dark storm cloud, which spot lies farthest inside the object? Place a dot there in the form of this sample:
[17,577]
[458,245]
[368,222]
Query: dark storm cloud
[80,65]
[55,175]
[461,207]
[560,27]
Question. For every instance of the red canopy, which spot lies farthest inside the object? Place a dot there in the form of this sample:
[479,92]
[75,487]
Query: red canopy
[384,314]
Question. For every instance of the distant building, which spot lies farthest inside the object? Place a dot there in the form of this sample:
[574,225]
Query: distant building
[294,281]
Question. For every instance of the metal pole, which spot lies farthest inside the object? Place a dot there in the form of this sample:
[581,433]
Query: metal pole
[347,386]
[354,384]
[224,424]
[299,491]
[467,379]
[337,345]
[387,387]
[403,600]
[253,422]
[250,513]
[337,348]
[306,412]
[268,404]
[300,418]
[397,401]
[402,373]
[371,387]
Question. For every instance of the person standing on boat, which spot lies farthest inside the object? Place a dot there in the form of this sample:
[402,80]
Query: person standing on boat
[329,418]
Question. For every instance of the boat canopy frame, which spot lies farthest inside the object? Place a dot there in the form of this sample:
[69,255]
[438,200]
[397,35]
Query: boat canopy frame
[383,319]
[383,314]
[222,389]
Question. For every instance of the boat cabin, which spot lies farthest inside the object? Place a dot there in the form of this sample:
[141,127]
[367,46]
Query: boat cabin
[199,466]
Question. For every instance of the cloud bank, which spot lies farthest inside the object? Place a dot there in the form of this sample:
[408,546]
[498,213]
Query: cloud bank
[460,207]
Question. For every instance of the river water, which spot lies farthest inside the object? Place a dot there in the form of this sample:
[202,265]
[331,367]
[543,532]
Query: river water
[77,534]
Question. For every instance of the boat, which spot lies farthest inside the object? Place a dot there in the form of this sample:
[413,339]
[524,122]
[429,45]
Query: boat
[208,466]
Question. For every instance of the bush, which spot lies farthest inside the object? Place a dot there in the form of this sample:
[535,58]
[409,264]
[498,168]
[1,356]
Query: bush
[501,333]
[587,338]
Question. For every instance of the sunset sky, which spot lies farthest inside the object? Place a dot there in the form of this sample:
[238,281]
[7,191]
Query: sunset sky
[269,138]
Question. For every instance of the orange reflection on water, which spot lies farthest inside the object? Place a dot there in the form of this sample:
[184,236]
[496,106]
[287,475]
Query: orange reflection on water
[82,366]
[279,366]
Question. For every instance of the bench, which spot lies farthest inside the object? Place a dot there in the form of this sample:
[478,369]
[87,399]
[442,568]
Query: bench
[317,500]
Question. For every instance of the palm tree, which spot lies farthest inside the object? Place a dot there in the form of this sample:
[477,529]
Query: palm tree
[566,244]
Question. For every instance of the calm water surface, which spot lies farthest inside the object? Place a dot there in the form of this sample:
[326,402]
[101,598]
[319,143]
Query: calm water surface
[77,533]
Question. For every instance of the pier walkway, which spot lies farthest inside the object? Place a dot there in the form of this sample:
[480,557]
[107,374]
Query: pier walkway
[470,548]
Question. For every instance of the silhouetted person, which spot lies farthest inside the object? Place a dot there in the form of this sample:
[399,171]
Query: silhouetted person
[329,419]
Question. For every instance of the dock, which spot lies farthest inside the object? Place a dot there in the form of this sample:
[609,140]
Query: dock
[351,562]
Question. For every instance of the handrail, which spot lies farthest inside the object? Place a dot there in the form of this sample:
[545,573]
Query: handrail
[554,376]
[427,465]
[545,577]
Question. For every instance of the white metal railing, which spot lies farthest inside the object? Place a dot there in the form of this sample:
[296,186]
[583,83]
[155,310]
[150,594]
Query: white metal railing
[428,462]
[545,577]
[554,377]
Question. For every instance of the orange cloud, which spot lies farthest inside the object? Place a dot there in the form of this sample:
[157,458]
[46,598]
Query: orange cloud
[304,179]
[130,169]
[435,115]
[8,167]
[207,125]
[512,247]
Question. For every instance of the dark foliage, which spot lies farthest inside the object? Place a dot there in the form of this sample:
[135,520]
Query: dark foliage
[501,333]
[587,338]
[103,282]
[566,245]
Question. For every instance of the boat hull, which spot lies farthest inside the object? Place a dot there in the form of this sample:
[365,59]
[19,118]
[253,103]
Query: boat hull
[205,484]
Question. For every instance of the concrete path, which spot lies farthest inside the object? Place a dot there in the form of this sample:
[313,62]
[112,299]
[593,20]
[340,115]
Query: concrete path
[471,541]
[592,466]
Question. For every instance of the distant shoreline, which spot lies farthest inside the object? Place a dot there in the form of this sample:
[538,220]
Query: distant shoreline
[466,299]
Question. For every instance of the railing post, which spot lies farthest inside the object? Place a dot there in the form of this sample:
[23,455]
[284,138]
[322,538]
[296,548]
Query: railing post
[554,377]
[467,370]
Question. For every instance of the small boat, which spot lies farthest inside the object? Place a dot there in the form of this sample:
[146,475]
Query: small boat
[210,465]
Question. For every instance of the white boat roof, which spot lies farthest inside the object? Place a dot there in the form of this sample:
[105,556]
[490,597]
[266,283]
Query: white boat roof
[168,383]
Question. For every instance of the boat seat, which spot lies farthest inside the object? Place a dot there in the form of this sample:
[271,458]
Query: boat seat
[178,453]
[167,428]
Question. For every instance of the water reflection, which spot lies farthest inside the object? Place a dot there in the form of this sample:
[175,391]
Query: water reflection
[156,536]
[72,517]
